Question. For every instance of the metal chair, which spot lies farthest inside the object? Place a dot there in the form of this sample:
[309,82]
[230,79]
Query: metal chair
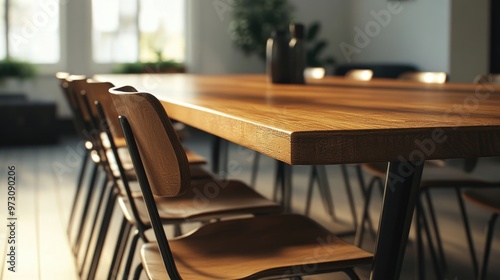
[258,247]
[488,199]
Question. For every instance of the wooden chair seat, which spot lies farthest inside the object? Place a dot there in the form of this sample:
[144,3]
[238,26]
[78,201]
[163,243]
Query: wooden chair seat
[194,158]
[284,245]
[485,198]
[231,198]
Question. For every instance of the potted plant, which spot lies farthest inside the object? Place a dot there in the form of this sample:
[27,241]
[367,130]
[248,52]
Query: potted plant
[16,69]
[160,66]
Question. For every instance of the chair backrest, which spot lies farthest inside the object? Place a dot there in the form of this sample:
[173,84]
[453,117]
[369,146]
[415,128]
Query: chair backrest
[99,91]
[359,74]
[71,87]
[163,157]
[487,79]
[425,77]
[77,85]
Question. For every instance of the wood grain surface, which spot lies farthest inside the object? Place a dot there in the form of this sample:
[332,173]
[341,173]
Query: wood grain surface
[333,120]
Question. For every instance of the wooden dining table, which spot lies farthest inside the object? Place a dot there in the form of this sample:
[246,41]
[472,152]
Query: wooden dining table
[339,121]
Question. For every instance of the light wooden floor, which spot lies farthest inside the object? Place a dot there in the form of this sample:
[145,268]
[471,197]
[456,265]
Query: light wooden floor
[46,178]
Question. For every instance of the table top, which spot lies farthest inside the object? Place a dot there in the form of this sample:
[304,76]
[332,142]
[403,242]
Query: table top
[333,120]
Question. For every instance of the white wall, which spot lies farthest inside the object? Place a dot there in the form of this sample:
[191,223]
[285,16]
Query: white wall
[209,45]
[469,54]
[418,34]
[211,49]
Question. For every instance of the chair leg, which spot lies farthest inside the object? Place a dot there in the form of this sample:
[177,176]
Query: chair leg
[310,188]
[358,238]
[138,271]
[283,181]
[364,191]
[121,243]
[131,253]
[435,227]
[223,160]
[437,266]
[84,213]
[79,184]
[177,230]
[365,215]
[350,197]
[278,179]
[216,147]
[101,238]
[324,189]
[419,260]
[351,274]
[255,169]
[468,234]
[79,192]
[100,203]
[287,188]
[487,246]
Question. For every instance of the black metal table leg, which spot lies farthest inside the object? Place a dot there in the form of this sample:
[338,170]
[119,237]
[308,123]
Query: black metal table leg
[400,197]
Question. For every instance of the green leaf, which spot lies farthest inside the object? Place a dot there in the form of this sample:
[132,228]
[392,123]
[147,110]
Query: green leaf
[313,31]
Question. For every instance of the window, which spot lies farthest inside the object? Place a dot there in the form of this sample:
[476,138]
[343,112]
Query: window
[2,31]
[33,31]
[138,30]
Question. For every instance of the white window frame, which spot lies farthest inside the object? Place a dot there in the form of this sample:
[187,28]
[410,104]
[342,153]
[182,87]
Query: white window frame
[45,69]
[99,67]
